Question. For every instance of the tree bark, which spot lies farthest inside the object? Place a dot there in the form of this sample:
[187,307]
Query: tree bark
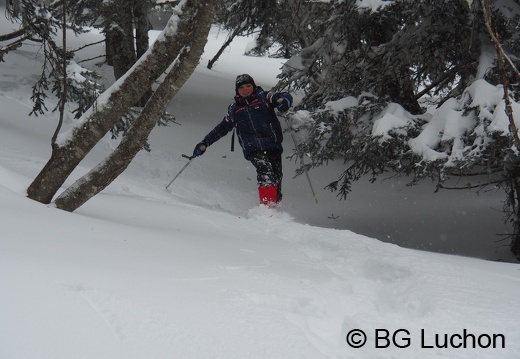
[109,108]
[108,170]
[142,26]
[109,48]
[122,39]
[64,62]
[515,237]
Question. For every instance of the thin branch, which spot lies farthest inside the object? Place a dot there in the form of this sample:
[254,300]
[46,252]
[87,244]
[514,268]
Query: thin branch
[63,98]
[474,174]
[165,3]
[486,6]
[92,58]
[487,17]
[12,35]
[438,81]
[87,45]
[474,186]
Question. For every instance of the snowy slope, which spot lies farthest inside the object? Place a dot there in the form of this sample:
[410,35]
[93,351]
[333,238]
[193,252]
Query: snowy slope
[201,272]
[162,279]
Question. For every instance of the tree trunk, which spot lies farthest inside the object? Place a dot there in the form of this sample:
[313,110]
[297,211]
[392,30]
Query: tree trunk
[64,62]
[515,237]
[122,36]
[142,26]
[109,48]
[108,170]
[111,105]
[229,40]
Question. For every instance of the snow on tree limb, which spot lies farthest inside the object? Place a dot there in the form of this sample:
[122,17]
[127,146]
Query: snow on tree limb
[95,123]
[114,93]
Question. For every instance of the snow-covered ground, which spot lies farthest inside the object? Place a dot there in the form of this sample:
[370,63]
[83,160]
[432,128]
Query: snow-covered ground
[200,271]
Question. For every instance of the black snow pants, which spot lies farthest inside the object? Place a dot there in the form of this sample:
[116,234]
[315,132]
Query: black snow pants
[268,166]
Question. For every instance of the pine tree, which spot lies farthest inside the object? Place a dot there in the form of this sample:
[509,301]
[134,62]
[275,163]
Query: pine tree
[118,19]
[282,28]
[40,22]
[241,18]
[289,26]
[400,60]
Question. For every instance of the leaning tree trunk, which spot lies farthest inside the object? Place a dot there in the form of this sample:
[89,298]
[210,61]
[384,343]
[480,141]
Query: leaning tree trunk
[112,104]
[229,40]
[101,176]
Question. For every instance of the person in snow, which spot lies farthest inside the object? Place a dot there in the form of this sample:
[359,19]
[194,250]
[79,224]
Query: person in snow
[259,133]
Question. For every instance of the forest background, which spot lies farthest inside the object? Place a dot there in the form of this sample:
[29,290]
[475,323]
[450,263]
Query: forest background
[416,90]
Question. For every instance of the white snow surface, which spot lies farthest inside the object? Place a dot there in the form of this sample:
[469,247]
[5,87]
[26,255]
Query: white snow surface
[200,271]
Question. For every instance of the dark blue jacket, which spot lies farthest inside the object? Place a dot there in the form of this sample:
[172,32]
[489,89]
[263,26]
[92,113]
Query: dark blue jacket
[257,126]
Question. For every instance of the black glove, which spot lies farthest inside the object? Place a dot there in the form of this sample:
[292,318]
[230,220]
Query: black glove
[200,149]
[282,101]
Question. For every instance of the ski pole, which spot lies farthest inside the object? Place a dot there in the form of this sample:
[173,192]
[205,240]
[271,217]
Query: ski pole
[302,162]
[182,169]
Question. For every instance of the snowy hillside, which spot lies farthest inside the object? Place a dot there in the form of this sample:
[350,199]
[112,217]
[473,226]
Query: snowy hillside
[200,271]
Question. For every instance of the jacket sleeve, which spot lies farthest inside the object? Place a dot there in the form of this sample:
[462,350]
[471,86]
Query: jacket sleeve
[219,131]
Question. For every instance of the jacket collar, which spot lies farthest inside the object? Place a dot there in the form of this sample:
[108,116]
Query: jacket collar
[245,100]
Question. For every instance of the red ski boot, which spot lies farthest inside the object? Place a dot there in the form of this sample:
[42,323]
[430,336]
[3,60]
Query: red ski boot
[268,196]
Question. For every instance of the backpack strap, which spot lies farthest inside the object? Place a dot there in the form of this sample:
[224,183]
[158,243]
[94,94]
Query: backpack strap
[231,117]
[233,140]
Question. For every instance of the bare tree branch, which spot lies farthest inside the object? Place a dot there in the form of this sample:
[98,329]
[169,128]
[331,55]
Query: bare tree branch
[501,57]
